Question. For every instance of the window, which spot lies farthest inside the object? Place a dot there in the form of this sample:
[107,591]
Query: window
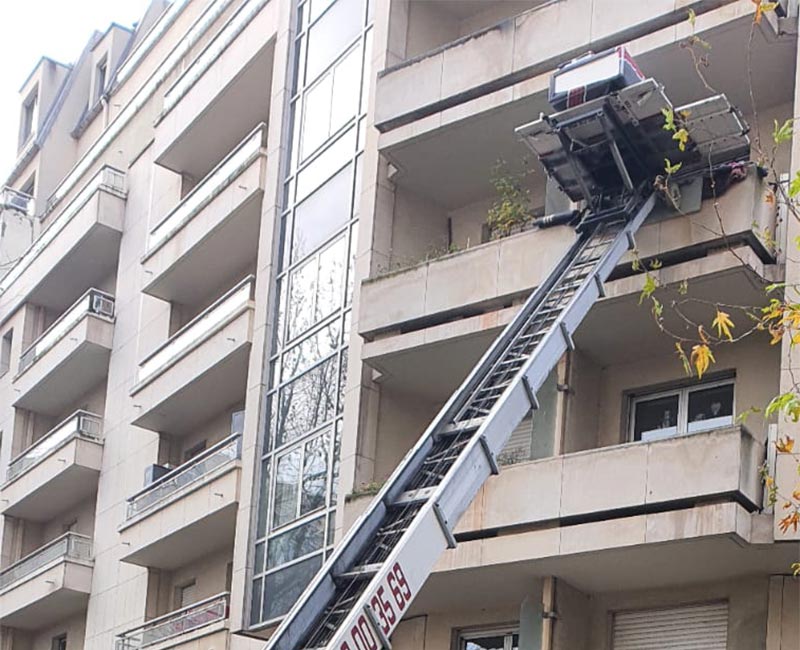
[5,351]
[59,642]
[677,628]
[100,74]
[185,594]
[499,639]
[30,110]
[683,410]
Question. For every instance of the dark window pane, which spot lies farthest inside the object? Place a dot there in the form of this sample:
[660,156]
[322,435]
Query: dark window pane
[255,600]
[259,559]
[315,473]
[287,479]
[307,402]
[656,418]
[263,503]
[710,408]
[283,587]
[296,543]
[322,213]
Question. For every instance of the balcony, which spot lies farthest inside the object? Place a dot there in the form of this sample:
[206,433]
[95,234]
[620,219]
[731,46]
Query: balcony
[68,358]
[422,310]
[213,230]
[49,585]
[199,370]
[79,246]
[221,95]
[57,472]
[206,620]
[187,513]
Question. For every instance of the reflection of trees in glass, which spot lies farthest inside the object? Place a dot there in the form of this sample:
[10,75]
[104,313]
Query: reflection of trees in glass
[283,587]
[296,543]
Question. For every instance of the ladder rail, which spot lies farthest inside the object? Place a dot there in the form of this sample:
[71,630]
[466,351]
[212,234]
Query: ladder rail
[432,524]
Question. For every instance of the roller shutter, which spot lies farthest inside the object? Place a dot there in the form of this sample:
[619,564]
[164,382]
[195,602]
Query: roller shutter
[699,627]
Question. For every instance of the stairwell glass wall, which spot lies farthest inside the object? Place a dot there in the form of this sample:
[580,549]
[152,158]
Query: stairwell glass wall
[307,365]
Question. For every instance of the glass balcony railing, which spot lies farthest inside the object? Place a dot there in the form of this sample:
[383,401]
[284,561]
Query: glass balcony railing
[220,313]
[217,179]
[11,199]
[93,301]
[181,621]
[191,472]
[70,546]
[80,424]
[107,178]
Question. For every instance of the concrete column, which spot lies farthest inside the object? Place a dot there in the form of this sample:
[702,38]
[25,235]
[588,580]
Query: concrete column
[783,614]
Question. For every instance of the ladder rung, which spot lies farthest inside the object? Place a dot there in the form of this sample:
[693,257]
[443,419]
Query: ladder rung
[455,428]
[364,571]
[414,496]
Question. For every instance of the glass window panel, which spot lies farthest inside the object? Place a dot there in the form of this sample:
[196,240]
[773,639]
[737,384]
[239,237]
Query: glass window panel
[287,479]
[322,213]
[326,164]
[331,34]
[332,271]
[283,587]
[259,559]
[656,418]
[515,642]
[296,543]
[315,474]
[331,532]
[302,293]
[710,408]
[263,500]
[337,452]
[307,402]
[352,263]
[485,643]
[280,321]
[342,380]
[346,81]
[309,351]
[255,601]
[317,7]
[316,115]
[366,75]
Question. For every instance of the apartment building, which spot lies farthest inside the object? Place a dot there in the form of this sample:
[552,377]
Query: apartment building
[245,261]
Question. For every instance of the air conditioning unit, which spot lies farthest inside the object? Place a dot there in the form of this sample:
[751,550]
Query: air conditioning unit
[154,472]
[19,201]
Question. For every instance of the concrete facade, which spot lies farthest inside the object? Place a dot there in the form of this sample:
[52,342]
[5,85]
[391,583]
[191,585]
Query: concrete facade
[244,262]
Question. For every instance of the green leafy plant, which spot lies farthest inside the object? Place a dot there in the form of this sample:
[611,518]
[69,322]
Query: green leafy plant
[512,207]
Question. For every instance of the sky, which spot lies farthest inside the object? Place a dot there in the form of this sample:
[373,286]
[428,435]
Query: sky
[30,29]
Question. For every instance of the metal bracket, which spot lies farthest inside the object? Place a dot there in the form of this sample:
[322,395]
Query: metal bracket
[601,290]
[386,644]
[631,240]
[567,336]
[451,540]
[489,455]
[526,384]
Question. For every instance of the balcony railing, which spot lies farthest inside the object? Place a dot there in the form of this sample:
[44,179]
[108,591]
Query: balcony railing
[93,301]
[11,199]
[193,471]
[107,178]
[217,179]
[80,424]
[175,623]
[198,329]
[70,546]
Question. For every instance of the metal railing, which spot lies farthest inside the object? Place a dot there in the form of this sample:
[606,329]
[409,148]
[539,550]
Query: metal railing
[175,623]
[107,178]
[70,546]
[11,199]
[93,301]
[216,316]
[80,424]
[215,181]
[191,472]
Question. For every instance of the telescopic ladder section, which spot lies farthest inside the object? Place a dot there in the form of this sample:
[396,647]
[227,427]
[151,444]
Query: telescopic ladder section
[368,584]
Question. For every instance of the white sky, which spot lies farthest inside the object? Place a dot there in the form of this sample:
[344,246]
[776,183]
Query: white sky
[59,29]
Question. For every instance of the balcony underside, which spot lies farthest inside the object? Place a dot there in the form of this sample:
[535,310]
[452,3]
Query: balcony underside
[47,598]
[65,372]
[219,254]
[67,477]
[205,136]
[512,563]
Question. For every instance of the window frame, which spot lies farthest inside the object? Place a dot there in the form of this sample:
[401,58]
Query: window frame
[100,78]
[462,636]
[58,642]
[30,110]
[682,391]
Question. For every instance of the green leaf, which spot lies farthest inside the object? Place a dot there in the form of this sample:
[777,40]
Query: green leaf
[794,186]
[672,169]
[782,132]
[648,289]
[669,119]
[683,287]
[692,17]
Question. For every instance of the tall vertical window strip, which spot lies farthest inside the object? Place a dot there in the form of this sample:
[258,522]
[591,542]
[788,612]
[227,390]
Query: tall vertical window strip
[308,356]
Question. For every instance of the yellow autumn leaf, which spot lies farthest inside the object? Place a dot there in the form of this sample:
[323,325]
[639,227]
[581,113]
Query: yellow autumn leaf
[796,494]
[723,324]
[785,445]
[682,136]
[702,358]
